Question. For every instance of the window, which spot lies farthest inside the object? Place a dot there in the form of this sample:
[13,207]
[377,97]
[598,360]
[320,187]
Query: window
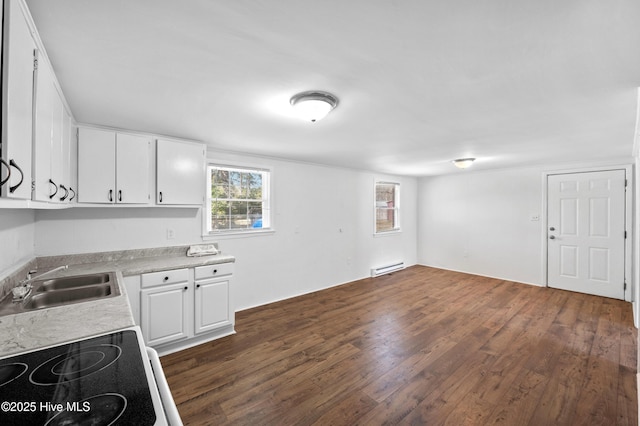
[238,199]
[387,207]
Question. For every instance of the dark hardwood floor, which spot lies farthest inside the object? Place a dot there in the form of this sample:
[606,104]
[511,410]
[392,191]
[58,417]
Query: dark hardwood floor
[420,347]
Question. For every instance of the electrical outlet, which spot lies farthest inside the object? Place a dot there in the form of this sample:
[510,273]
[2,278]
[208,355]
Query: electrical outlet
[171,233]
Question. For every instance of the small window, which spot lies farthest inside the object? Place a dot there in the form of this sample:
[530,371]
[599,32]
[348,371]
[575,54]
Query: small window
[238,199]
[387,207]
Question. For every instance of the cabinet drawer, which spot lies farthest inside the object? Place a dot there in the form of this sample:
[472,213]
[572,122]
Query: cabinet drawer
[217,270]
[165,277]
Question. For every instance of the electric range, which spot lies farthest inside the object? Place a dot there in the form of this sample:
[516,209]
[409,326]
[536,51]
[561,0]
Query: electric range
[103,380]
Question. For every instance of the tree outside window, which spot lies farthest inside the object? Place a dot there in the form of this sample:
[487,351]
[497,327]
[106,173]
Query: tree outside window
[238,199]
[387,207]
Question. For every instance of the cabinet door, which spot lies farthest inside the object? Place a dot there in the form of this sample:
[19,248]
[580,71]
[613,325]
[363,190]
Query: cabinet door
[69,156]
[180,173]
[57,149]
[96,166]
[17,102]
[132,169]
[45,96]
[212,305]
[164,313]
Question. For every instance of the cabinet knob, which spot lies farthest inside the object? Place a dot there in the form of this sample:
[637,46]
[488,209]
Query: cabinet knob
[13,188]
[186,288]
[66,192]
[55,190]
[165,279]
[215,271]
[5,180]
[197,285]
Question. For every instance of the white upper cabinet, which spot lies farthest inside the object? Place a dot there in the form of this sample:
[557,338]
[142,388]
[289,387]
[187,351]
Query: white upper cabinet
[96,166]
[132,168]
[113,167]
[180,173]
[45,188]
[69,156]
[52,139]
[17,102]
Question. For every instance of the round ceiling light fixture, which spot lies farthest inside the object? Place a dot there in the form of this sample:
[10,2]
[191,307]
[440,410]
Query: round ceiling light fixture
[463,163]
[313,105]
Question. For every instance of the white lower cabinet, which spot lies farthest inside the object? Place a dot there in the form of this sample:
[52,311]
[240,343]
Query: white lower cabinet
[165,313]
[213,297]
[185,307]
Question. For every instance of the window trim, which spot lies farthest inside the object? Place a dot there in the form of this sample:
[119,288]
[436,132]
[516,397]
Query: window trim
[397,208]
[239,232]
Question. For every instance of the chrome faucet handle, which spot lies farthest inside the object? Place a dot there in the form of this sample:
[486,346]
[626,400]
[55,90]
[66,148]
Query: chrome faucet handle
[20,292]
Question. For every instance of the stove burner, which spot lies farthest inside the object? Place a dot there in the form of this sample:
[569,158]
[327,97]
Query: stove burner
[10,372]
[77,363]
[102,410]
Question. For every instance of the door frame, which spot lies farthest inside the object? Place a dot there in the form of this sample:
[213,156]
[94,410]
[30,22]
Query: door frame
[628,221]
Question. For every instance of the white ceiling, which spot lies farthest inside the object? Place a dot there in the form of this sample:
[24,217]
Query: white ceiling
[420,82]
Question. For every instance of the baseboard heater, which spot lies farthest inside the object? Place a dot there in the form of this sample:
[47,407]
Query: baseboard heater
[387,269]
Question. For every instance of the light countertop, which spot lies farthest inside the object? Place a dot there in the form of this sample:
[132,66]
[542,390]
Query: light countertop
[47,327]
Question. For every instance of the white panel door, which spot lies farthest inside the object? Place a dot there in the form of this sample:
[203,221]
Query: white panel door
[586,232]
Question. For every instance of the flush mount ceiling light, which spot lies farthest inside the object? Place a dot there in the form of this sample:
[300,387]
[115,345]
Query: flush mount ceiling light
[463,163]
[313,105]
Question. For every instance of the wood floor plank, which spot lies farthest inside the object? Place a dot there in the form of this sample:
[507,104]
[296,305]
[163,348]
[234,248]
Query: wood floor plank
[420,346]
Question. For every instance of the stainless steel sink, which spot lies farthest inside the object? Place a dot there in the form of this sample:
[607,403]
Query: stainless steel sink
[47,293]
[73,282]
[50,298]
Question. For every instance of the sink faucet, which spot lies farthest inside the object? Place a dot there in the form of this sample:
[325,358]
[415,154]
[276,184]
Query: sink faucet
[29,278]
[23,289]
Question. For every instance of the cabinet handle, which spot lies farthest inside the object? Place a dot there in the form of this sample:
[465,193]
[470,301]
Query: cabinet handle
[120,195]
[160,199]
[111,195]
[56,191]
[5,180]
[66,193]
[74,194]
[13,188]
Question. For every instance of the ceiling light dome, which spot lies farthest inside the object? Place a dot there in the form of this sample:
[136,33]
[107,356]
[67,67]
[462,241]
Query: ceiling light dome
[463,163]
[313,105]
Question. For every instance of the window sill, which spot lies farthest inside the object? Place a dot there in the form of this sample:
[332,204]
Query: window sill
[237,234]
[387,233]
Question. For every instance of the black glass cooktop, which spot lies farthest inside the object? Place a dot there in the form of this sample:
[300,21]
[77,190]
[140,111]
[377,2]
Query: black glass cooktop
[97,381]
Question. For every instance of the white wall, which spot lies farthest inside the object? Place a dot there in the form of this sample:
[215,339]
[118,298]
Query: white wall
[636,248]
[480,223]
[324,231]
[17,228]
